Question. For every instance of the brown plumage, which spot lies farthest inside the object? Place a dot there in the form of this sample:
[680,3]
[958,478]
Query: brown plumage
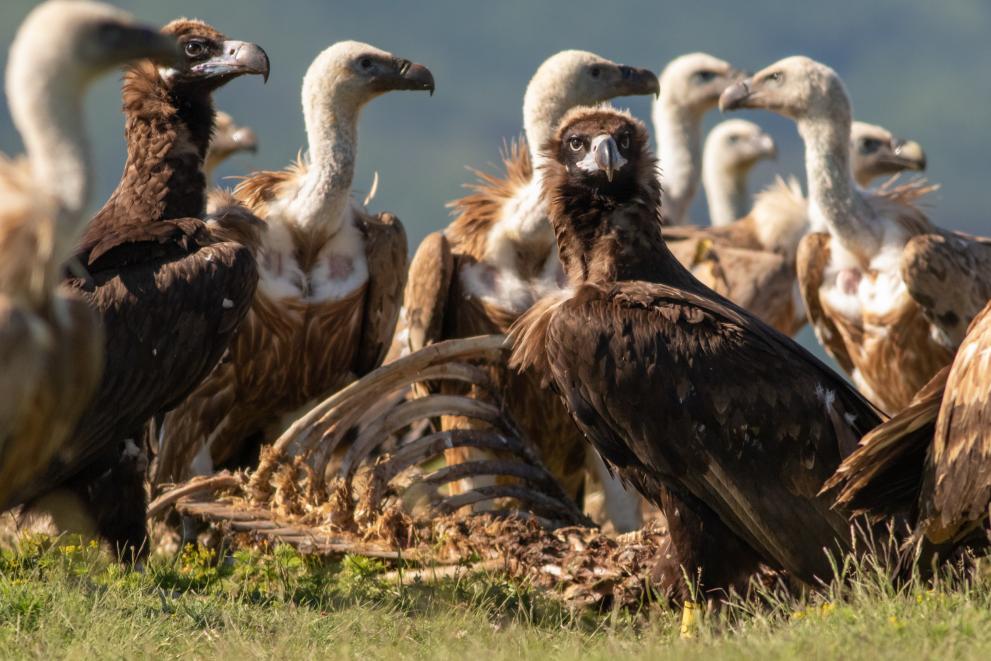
[498,257]
[50,343]
[858,300]
[730,426]
[931,461]
[168,293]
[332,276]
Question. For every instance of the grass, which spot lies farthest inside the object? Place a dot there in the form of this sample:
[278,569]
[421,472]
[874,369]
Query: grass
[70,600]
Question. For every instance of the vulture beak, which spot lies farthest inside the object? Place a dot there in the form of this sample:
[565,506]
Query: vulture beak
[145,42]
[909,154]
[603,156]
[246,139]
[410,76]
[634,82]
[736,96]
[238,58]
[766,146]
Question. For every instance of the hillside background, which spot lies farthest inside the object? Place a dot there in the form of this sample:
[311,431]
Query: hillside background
[920,68]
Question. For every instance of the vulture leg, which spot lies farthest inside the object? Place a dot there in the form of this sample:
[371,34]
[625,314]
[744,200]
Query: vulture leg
[705,558]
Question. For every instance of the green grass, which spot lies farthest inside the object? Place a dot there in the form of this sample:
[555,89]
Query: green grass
[72,602]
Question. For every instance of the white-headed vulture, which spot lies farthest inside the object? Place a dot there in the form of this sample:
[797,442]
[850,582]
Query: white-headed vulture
[728,425]
[871,296]
[732,148]
[169,295]
[331,275]
[498,257]
[690,88]
[50,344]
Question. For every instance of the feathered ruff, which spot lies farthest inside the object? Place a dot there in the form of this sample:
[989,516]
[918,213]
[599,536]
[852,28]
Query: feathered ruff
[28,264]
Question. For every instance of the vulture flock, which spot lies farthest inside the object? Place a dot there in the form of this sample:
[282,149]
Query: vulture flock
[650,358]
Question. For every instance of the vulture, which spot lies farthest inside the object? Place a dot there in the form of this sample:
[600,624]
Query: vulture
[875,152]
[169,295]
[690,87]
[228,139]
[752,260]
[875,282]
[732,148]
[731,427]
[932,460]
[331,276]
[50,344]
[498,257]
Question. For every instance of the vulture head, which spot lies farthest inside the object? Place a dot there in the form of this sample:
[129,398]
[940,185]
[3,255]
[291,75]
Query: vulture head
[736,145]
[228,139]
[71,42]
[577,78]
[604,152]
[208,60]
[796,87]
[349,74]
[875,152]
[692,83]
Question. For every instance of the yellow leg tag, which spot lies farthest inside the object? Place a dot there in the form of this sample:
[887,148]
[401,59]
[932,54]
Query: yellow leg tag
[689,619]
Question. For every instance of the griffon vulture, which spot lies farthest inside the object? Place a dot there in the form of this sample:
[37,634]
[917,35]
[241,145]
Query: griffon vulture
[169,294]
[857,286]
[50,344]
[498,257]
[228,139]
[332,275]
[690,87]
[728,425]
[732,148]
[875,152]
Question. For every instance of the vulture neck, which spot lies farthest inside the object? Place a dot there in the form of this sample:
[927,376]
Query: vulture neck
[332,135]
[601,243]
[679,147]
[834,202]
[725,192]
[168,133]
[47,112]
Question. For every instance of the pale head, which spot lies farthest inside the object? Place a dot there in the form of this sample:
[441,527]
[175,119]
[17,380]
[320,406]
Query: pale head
[577,78]
[875,152]
[692,83]
[737,144]
[797,87]
[350,72]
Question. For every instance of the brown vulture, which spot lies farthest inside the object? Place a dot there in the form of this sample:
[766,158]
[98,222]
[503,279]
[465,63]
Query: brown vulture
[732,148]
[498,256]
[752,260]
[690,87]
[331,276]
[228,139]
[50,344]
[868,292]
[730,426]
[168,293]
[932,461]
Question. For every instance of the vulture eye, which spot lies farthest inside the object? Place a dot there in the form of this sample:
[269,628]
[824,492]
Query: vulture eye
[702,77]
[595,72]
[195,48]
[733,139]
[869,145]
[624,141]
[576,143]
[775,77]
[366,63]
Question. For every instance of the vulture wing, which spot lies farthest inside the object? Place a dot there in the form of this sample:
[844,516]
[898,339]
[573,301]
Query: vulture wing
[717,404]
[810,267]
[167,320]
[385,250]
[949,276]
[428,290]
[957,486]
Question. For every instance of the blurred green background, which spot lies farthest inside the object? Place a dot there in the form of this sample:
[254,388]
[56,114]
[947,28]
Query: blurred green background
[920,68]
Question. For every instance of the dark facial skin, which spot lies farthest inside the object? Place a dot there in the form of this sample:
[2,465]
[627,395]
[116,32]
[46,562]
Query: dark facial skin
[576,143]
[208,60]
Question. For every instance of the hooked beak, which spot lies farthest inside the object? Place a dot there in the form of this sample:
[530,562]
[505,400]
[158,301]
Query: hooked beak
[766,146]
[635,81]
[409,76]
[246,139]
[736,96]
[603,156]
[239,58]
[909,154]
